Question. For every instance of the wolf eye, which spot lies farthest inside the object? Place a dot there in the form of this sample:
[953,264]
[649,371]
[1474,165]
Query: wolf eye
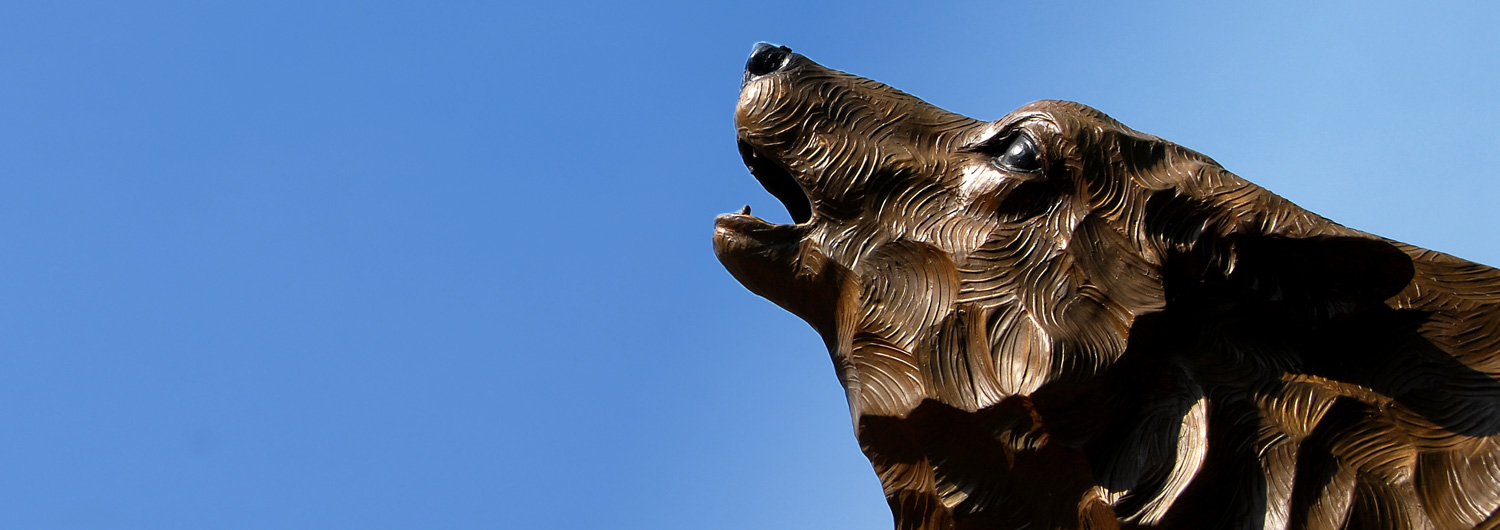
[1020,154]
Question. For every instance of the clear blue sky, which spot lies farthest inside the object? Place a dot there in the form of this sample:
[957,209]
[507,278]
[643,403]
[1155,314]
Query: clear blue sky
[448,264]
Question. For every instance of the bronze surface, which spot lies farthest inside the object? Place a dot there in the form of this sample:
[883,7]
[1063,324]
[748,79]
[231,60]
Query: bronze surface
[1053,321]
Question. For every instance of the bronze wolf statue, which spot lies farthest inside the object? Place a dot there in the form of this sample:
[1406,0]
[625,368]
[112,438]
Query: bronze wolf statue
[1053,321]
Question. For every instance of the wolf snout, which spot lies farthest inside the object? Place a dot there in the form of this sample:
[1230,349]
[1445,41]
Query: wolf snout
[766,59]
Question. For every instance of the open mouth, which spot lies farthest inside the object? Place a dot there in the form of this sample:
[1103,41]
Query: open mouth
[777,180]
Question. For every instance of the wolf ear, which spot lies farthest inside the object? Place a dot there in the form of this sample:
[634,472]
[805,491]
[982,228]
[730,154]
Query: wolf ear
[1317,277]
[1220,256]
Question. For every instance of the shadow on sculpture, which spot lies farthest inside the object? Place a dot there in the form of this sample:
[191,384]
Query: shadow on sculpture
[1054,321]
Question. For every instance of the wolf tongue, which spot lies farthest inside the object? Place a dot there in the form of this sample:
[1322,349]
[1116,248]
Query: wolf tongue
[745,210]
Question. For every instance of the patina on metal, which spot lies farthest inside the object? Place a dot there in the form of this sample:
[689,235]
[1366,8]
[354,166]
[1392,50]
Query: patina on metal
[1053,321]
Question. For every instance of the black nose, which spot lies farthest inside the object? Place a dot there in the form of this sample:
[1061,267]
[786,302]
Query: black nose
[766,58]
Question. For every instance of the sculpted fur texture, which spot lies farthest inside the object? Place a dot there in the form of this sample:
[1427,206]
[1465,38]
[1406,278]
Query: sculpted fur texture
[1054,321]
